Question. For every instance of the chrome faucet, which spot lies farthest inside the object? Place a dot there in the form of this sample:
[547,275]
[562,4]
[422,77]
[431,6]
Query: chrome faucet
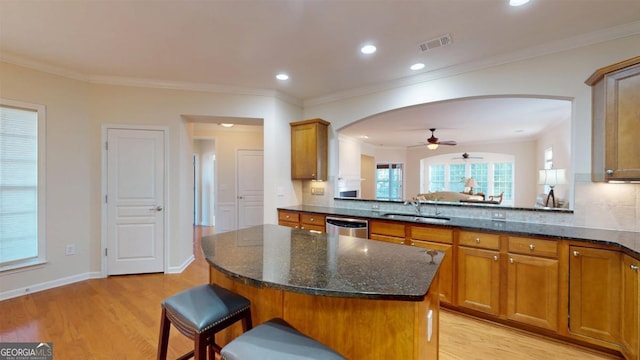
[437,212]
[416,204]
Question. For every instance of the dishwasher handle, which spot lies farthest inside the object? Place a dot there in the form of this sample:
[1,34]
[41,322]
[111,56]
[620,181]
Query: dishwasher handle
[348,223]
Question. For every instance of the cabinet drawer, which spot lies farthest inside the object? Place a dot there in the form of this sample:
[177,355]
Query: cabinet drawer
[386,228]
[479,240]
[288,216]
[312,219]
[432,234]
[531,246]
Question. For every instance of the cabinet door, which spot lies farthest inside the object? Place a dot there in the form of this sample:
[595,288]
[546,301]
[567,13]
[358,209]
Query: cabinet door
[532,291]
[594,293]
[630,305]
[309,150]
[621,121]
[446,267]
[315,222]
[479,279]
[288,218]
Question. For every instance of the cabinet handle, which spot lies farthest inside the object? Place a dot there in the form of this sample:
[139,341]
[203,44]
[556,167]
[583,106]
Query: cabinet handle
[511,260]
[477,240]
[576,253]
[609,172]
[310,219]
[532,247]
[495,258]
[634,267]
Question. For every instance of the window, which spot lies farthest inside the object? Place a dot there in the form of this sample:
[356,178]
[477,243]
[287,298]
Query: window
[21,184]
[389,181]
[494,174]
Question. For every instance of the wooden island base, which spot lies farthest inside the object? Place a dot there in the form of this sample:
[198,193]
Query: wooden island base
[358,328]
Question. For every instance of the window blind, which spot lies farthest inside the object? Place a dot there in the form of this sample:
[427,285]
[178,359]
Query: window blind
[18,185]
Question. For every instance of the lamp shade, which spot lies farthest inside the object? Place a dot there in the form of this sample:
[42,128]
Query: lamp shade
[471,183]
[552,177]
[432,146]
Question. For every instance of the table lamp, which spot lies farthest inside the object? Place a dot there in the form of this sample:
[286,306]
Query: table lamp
[551,178]
[471,183]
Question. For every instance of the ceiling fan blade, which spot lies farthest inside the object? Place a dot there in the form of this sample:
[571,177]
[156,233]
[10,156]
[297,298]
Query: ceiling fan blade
[447,143]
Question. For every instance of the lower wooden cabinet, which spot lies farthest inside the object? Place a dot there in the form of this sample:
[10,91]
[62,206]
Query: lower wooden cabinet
[594,293]
[438,239]
[392,232]
[479,279]
[534,282]
[288,218]
[315,222]
[532,290]
[307,221]
[629,336]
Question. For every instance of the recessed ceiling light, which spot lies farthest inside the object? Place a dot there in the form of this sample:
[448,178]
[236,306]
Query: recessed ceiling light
[368,49]
[417,66]
[517,2]
[282,77]
[364,137]
[227,125]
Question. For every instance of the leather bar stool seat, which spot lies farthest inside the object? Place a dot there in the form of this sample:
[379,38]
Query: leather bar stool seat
[276,340]
[199,313]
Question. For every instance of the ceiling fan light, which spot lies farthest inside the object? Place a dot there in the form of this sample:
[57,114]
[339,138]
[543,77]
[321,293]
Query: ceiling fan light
[432,146]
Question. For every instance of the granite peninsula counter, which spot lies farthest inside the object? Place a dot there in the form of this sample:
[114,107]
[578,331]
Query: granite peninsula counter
[367,300]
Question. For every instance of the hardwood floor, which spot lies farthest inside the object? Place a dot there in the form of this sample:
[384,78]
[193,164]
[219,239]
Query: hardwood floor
[119,318]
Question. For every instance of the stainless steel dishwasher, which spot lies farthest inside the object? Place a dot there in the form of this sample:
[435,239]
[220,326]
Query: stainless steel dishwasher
[350,227]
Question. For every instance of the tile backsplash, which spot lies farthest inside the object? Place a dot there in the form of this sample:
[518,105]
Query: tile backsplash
[597,205]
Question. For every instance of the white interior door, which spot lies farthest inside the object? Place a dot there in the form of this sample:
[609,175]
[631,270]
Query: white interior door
[135,201]
[250,188]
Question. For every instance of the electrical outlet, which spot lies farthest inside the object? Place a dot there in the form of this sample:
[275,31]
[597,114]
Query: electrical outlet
[375,207]
[317,191]
[499,215]
[70,249]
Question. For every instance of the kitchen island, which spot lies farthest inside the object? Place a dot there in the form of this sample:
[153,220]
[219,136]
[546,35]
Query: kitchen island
[365,299]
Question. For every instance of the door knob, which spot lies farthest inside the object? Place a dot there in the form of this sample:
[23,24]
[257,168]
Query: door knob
[634,267]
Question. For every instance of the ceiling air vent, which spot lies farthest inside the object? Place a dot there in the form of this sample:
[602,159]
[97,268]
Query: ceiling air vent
[435,43]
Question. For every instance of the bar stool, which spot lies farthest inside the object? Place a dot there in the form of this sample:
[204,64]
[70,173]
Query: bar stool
[199,313]
[276,340]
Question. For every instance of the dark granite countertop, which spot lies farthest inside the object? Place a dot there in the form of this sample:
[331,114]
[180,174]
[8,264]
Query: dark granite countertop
[627,240]
[320,264]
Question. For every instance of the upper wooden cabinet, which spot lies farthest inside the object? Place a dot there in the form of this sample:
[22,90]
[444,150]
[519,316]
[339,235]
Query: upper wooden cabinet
[309,149]
[616,122]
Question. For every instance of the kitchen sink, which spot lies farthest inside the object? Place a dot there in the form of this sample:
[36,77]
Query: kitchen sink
[419,218]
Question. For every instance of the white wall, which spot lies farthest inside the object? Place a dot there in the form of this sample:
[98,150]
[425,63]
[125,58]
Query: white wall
[77,111]
[227,145]
[559,75]
[71,154]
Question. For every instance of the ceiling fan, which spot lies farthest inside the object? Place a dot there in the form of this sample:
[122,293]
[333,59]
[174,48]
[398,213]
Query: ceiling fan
[433,142]
[466,156]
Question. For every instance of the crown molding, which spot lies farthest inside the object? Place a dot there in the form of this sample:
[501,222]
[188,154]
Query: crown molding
[582,40]
[145,83]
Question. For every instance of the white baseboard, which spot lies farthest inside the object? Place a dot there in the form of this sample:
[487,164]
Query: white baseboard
[181,268]
[49,285]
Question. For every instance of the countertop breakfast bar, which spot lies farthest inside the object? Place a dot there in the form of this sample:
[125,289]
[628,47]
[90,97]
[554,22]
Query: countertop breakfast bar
[365,299]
